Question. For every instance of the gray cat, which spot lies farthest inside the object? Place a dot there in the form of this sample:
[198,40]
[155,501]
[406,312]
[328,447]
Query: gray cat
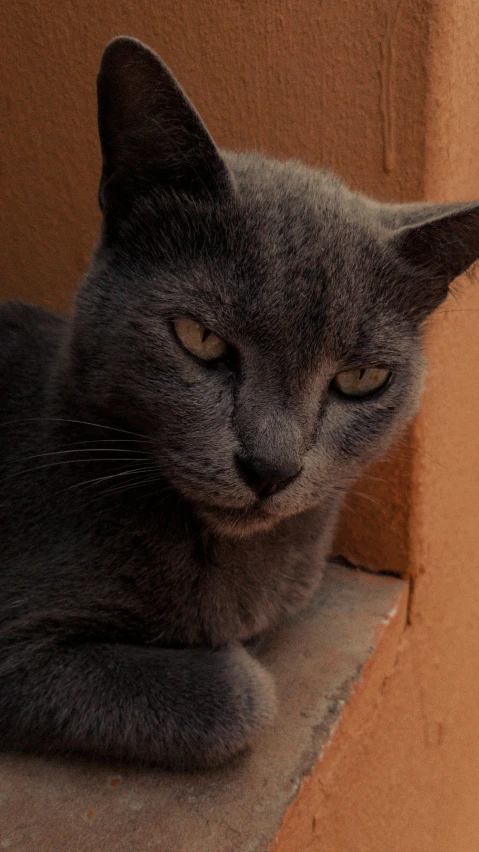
[246,339]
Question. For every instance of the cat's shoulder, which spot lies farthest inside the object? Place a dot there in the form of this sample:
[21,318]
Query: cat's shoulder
[22,318]
[30,340]
[28,327]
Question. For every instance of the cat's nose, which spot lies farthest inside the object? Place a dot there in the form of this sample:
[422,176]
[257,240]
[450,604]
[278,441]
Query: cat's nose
[265,479]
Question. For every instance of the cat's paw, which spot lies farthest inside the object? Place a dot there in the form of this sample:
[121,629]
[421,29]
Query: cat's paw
[254,690]
[239,702]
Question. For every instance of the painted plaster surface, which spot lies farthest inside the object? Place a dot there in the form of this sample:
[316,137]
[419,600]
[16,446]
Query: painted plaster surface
[318,661]
[385,93]
[404,774]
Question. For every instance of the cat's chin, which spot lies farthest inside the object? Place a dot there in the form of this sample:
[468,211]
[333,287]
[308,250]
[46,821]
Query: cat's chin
[239,523]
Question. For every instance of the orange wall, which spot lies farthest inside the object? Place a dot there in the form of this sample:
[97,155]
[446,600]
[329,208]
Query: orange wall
[403,770]
[385,93]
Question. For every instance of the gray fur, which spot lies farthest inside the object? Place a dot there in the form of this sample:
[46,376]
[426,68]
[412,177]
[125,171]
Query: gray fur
[135,558]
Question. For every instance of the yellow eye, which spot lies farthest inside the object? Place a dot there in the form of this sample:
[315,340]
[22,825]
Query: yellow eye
[199,340]
[361,381]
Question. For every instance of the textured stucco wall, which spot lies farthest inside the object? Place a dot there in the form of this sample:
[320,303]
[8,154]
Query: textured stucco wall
[403,770]
[385,93]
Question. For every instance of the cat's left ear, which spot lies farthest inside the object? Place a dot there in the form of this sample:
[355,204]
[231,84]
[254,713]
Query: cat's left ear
[437,242]
[151,136]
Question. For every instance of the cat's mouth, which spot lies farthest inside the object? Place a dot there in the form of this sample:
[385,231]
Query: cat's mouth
[239,523]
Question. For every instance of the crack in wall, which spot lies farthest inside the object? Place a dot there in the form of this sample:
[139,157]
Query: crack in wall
[386,76]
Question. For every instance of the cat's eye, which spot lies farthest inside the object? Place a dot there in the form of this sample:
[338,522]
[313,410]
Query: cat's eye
[199,340]
[361,381]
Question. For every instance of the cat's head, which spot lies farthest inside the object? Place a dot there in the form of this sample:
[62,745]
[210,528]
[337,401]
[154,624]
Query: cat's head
[256,319]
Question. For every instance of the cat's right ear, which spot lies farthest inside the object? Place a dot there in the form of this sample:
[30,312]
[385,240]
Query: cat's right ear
[151,136]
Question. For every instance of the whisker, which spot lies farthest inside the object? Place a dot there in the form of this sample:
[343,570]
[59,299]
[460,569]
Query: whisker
[409,443]
[405,447]
[59,463]
[108,441]
[90,450]
[372,478]
[345,505]
[88,482]
[456,311]
[118,489]
[78,422]
[366,497]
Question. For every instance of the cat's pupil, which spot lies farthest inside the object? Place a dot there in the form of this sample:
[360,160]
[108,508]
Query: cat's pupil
[361,381]
[199,340]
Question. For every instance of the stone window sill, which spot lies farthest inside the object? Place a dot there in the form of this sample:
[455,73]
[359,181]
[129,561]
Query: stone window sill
[346,641]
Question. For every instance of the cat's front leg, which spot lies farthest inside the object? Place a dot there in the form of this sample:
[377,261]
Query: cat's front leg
[179,709]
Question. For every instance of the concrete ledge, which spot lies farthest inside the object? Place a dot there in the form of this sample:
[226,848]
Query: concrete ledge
[317,659]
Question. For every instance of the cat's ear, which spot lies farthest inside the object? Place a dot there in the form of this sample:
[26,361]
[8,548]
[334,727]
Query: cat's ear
[437,242]
[151,136]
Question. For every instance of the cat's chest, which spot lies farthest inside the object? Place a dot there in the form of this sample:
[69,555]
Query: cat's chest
[244,597]
[233,591]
